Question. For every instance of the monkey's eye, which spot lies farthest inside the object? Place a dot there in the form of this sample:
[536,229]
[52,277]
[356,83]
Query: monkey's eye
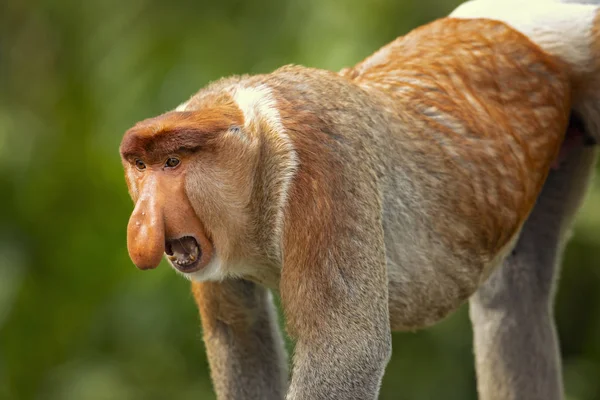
[139,164]
[172,162]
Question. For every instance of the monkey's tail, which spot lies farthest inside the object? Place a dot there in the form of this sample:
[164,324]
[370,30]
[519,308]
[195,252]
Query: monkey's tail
[568,30]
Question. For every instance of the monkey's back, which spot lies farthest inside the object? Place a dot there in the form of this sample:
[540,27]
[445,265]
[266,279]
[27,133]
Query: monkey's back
[483,104]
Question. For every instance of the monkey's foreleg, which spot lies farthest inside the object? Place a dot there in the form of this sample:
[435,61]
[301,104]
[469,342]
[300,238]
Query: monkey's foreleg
[243,341]
[334,293]
[516,345]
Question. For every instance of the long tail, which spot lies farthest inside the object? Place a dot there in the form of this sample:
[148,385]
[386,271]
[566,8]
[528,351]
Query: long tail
[569,31]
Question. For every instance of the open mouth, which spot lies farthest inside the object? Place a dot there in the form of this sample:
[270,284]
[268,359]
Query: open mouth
[184,253]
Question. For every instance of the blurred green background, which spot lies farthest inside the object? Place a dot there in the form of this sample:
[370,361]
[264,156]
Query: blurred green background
[77,320]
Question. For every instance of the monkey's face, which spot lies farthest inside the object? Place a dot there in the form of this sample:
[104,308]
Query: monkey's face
[190,177]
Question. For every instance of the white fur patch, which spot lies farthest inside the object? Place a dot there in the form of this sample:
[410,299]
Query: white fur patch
[563,30]
[213,271]
[258,103]
[182,106]
[286,180]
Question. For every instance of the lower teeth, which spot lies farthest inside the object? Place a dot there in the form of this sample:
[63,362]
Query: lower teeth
[187,261]
[184,263]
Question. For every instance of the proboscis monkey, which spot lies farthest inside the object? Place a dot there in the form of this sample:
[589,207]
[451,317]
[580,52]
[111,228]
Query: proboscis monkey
[445,167]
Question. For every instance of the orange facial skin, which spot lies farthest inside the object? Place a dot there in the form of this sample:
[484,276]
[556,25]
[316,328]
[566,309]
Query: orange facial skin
[163,216]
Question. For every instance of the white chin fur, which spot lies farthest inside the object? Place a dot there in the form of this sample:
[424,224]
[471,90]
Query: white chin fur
[211,272]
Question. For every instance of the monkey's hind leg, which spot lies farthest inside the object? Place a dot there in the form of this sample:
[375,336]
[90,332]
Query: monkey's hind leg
[516,346]
[243,341]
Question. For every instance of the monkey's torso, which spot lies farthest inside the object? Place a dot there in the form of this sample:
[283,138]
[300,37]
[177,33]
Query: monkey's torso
[458,160]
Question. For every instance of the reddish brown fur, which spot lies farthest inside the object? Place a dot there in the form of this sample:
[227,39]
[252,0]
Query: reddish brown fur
[154,138]
[457,66]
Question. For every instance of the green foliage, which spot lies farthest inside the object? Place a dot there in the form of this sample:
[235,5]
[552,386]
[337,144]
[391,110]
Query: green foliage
[77,320]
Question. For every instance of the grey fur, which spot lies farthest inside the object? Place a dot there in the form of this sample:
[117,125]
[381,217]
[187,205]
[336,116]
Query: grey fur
[247,360]
[516,345]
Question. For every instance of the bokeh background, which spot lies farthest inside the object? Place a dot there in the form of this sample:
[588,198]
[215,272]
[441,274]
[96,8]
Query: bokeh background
[77,320]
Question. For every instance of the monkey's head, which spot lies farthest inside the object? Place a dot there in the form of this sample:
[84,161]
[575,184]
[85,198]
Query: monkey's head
[190,175]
